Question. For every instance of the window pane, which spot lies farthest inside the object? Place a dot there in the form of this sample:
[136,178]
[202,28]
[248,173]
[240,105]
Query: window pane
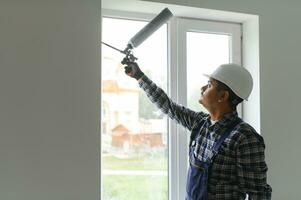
[133,132]
[205,51]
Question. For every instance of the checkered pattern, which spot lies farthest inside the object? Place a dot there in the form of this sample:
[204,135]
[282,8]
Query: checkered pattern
[239,168]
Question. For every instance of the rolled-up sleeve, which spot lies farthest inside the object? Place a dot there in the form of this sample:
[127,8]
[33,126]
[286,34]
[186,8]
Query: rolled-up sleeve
[179,113]
[252,168]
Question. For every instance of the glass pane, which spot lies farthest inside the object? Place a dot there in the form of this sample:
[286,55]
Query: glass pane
[133,132]
[205,51]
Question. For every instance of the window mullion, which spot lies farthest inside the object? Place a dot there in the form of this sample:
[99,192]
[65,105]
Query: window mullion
[182,134]
[173,134]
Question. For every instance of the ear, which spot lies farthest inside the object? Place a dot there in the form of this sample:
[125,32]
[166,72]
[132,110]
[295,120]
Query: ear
[223,96]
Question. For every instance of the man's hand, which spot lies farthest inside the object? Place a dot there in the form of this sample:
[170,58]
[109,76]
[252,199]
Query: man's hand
[132,69]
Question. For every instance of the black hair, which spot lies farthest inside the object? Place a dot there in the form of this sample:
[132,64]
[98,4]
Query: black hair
[233,99]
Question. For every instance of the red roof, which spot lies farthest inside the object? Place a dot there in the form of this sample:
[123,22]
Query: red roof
[119,130]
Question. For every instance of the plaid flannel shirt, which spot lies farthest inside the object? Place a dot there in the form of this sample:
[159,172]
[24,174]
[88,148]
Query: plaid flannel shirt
[239,168]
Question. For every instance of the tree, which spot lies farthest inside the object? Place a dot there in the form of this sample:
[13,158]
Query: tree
[147,110]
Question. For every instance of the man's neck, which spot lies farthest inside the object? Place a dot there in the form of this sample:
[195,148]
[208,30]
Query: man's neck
[219,114]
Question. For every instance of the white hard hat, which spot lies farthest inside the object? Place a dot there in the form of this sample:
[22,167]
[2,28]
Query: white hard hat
[236,77]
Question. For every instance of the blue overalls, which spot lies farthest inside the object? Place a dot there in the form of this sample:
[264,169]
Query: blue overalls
[197,178]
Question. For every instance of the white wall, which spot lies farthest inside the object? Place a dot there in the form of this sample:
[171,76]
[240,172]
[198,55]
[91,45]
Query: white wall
[49,103]
[49,99]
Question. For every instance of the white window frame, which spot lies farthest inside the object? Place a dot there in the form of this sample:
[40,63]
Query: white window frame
[177,28]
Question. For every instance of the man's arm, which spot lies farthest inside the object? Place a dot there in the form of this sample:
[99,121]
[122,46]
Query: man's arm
[252,168]
[181,114]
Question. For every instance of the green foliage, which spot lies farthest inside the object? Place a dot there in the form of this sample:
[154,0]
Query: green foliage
[147,110]
[135,187]
[125,187]
[136,163]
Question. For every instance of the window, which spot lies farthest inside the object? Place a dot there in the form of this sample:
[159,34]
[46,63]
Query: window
[134,147]
[143,151]
[205,45]
[204,52]
[197,46]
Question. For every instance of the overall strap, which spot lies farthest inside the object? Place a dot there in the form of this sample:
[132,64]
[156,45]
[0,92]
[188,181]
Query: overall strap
[219,142]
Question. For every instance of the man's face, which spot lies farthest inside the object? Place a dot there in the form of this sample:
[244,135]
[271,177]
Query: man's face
[209,94]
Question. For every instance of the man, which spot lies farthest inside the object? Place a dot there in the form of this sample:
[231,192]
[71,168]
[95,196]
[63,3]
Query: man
[226,154]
